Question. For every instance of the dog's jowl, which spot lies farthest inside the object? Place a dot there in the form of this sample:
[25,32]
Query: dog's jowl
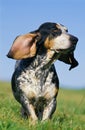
[35,82]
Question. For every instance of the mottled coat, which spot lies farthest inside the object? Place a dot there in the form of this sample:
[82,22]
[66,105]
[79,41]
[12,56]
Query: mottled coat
[35,82]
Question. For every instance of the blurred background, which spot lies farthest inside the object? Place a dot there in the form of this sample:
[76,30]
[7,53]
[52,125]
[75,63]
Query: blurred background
[22,16]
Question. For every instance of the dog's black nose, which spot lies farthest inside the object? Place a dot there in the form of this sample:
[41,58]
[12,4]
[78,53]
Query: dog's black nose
[9,55]
[74,39]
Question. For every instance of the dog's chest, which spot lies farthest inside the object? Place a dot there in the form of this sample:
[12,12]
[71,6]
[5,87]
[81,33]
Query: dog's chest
[36,83]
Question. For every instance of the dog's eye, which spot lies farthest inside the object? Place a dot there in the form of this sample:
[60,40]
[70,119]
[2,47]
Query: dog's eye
[56,32]
[66,30]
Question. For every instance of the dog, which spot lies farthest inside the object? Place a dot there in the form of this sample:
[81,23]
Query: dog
[35,83]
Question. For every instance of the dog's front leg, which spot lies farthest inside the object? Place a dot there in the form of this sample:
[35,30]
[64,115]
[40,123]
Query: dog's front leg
[29,109]
[49,109]
[32,112]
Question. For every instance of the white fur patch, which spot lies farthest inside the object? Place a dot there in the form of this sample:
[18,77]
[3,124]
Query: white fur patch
[62,42]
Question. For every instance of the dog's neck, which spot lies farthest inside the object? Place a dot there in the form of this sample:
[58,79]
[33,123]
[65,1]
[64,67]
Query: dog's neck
[45,61]
[40,61]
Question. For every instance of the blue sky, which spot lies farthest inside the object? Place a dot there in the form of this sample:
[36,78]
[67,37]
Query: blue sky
[22,16]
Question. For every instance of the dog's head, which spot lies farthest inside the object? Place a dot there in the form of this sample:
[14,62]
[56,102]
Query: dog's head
[50,36]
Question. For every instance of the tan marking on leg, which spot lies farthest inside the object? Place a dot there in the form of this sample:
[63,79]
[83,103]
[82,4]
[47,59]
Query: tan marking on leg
[32,113]
[50,94]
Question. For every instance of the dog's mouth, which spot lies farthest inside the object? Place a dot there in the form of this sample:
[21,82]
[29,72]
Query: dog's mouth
[64,51]
[65,55]
[58,53]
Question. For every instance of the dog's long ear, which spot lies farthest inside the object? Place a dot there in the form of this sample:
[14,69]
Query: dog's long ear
[24,46]
[69,59]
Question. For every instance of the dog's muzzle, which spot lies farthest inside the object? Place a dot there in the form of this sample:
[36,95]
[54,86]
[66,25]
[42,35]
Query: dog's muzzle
[73,39]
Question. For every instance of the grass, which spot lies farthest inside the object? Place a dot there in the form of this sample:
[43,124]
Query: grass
[69,115]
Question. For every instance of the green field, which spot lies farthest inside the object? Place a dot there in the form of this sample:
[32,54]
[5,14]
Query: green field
[70,113]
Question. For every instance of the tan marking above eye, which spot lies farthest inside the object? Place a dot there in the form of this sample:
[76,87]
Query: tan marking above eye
[63,28]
